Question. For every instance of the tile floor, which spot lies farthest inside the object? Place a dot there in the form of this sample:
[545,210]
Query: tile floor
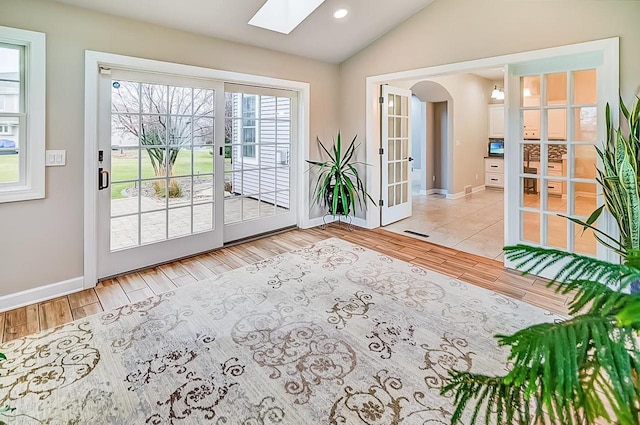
[472,224]
[475,224]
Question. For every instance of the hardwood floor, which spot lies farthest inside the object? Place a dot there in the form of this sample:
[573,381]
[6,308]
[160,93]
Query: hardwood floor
[137,286]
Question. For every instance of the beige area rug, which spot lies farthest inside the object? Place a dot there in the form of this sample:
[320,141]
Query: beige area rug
[330,334]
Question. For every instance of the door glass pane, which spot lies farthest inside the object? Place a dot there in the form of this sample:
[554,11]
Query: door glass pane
[556,202]
[556,231]
[556,159]
[124,164]
[530,226]
[202,217]
[531,124]
[153,194]
[125,97]
[585,124]
[153,98]
[530,90]
[391,129]
[202,189]
[530,192]
[585,157]
[391,151]
[153,227]
[179,222]
[282,201]
[585,90]
[585,198]
[556,88]
[153,130]
[556,124]
[153,162]
[391,172]
[125,130]
[531,158]
[391,195]
[124,232]
[251,208]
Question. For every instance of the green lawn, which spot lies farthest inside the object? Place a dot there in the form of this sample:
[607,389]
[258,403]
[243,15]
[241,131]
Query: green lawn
[9,168]
[126,168]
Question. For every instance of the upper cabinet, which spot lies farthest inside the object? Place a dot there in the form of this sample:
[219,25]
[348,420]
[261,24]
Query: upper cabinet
[496,121]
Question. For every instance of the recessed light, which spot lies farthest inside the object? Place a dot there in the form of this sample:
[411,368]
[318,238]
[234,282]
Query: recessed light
[340,13]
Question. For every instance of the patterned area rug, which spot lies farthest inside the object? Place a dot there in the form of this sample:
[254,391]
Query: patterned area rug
[330,334]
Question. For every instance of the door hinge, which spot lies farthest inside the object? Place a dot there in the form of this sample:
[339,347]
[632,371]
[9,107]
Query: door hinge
[381,151]
[381,99]
[381,203]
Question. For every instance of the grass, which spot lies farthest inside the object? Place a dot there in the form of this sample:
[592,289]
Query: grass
[9,169]
[123,168]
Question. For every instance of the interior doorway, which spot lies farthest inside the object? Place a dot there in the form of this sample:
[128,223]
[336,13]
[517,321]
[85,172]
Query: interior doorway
[601,56]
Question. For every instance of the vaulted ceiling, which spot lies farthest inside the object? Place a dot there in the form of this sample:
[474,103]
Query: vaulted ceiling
[320,36]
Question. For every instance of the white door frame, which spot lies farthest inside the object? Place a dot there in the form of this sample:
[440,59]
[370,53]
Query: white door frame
[609,47]
[93,60]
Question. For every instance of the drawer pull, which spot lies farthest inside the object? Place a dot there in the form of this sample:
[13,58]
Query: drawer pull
[494,180]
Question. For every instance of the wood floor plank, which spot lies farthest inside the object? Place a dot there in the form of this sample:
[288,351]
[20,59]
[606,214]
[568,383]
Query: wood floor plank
[82,298]
[2,320]
[184,280]
[131,282]
[21,322]
[197,269]
[157,281]
[54,313]
[174,270]
[87,310]
[214,262]
[111,295]
[140,295]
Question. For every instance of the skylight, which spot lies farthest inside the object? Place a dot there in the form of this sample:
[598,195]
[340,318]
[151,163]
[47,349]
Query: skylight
[284,15]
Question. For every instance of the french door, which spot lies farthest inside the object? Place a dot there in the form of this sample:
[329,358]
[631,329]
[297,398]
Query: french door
[184,166]
[556,118]
[395,154]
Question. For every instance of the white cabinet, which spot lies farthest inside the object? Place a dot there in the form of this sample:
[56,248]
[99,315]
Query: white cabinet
[494,172]
[554,187]
[557,122]
[496,121]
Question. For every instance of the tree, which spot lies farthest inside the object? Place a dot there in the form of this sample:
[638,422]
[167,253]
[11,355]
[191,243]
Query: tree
[165,120]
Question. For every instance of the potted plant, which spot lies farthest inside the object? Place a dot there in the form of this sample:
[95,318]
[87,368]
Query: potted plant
[584,369]
[338,185]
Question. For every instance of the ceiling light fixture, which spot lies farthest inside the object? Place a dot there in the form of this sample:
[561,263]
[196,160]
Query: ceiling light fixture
[497,93]
[284,15]
[340,13]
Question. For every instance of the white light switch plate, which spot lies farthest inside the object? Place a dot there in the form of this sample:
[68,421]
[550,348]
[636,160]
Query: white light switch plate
[55,158]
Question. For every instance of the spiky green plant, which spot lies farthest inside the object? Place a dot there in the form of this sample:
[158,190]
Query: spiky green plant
[339,186]
[585,368]
[620,182]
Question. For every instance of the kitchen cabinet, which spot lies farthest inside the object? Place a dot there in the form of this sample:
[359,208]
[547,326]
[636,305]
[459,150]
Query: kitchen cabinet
[496,121]
[494,172]
[531,118]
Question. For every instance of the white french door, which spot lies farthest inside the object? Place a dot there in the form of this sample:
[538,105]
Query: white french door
[395,154]
[556,113]
[160,169]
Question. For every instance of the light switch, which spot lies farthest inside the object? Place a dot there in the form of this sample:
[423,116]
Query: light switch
[55,158]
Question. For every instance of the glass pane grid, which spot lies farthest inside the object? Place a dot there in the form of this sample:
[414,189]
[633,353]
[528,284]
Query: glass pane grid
[558,152]
[157,136]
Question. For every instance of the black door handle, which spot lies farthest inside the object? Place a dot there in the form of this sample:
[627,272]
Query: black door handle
[410,159]
[102,175]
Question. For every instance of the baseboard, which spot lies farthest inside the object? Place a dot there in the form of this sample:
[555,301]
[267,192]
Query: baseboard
[41,293]
[462,194]
[436,192]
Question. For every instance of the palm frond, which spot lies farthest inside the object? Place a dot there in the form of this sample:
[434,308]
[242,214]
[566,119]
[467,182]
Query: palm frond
[531,259]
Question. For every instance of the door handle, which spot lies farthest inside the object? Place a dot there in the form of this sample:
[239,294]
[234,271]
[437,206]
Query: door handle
[410,159]
[102,175]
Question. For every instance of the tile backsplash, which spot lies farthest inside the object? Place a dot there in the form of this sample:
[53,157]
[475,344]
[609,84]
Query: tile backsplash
[532,152]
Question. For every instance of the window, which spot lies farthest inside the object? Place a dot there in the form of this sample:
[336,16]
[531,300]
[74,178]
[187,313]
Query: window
[249,126]
[22,114]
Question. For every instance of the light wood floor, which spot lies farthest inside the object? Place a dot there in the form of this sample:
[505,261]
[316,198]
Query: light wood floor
[137,286]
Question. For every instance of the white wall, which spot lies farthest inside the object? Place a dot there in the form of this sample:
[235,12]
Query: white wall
[42,241]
